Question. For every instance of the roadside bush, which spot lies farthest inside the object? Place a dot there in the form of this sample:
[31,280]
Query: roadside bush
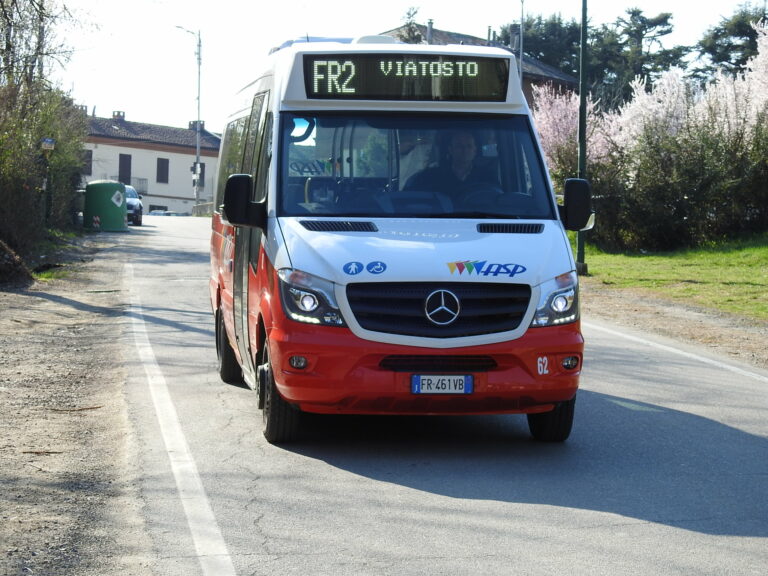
[36,183]
[677,166]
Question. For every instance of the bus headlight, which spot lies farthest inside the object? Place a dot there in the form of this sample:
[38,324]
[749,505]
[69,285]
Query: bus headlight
[559,301]
[309,299]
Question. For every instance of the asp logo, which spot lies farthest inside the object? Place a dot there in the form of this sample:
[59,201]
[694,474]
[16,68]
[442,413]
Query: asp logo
[484,268]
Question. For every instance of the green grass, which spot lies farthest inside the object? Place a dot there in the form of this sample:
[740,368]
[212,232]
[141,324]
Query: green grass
[731,277]
[45,249]
[51,274]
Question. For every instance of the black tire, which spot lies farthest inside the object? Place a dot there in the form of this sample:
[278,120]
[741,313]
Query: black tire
[137,219]
[554,426]
[281,421]
[229,370]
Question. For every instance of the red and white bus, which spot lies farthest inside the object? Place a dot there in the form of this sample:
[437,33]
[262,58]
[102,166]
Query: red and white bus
[387,241]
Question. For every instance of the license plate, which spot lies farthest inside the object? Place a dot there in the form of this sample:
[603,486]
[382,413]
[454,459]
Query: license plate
[442,384]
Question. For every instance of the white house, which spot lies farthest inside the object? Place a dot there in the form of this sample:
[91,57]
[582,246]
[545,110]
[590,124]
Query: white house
[156,160]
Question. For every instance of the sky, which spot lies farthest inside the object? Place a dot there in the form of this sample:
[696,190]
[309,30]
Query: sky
[139,57]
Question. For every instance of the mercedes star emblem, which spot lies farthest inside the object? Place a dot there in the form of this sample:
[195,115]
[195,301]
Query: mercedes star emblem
[442,307]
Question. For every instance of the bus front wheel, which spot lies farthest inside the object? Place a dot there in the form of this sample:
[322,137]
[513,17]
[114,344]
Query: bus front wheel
[280,419]
[554,426]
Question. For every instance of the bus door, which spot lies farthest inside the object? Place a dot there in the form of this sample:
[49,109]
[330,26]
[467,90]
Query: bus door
[248,241]
[240,294]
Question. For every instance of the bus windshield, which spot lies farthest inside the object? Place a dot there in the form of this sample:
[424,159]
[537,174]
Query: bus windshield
[442,166]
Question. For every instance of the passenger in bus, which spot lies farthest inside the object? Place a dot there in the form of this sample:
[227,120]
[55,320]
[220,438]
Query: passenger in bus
[459,174]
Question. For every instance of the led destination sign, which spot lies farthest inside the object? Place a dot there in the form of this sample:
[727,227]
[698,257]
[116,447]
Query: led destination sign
[406,77]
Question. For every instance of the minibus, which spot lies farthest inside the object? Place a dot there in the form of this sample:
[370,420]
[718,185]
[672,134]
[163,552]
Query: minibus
[386,240]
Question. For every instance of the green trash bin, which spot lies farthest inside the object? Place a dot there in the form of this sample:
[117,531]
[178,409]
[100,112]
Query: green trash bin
[105,206]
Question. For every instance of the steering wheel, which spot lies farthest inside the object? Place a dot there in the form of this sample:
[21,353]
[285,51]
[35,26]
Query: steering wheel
[481,195]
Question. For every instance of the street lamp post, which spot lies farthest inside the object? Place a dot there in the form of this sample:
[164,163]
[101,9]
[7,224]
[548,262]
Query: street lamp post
[581,265]
[196,173]
[522,24]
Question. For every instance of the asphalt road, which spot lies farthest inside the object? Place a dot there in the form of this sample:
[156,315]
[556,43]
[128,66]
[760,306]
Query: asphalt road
[666,471]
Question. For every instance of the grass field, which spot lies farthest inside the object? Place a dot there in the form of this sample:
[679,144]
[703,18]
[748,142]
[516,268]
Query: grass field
[731,277]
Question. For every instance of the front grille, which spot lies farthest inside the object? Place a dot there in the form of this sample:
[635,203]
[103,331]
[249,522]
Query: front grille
[438,364]
[399,308]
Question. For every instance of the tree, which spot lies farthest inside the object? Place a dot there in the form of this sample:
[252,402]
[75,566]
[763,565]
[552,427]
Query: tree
[551,41]
[679,165]
[729,45]
[27,41]
[605,72]
[631,48]
[641,37]
[411,33]
[36,182]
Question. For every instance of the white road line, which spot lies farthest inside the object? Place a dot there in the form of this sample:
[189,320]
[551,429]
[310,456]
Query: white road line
[690,355]
[209,543]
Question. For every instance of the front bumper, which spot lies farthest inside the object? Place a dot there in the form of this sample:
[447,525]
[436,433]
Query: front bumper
[347,375]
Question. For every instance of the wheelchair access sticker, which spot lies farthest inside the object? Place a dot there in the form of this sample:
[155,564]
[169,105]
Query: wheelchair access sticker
[355,268]
[376,267]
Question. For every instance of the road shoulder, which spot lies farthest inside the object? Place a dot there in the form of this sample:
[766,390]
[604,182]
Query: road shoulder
[67,460]
[728,336]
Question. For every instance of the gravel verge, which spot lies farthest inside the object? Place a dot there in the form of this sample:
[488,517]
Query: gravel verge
[66,453]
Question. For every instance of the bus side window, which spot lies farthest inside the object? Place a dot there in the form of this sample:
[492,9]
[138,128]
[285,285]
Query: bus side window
[231,156]
[253,139]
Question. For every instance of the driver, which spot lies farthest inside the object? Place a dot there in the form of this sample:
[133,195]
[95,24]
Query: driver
[458,174]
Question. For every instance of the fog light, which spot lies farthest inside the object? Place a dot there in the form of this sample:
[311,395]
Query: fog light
[570,362]
[298,362]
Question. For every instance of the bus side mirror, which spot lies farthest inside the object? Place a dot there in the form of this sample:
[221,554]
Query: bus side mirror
[576,211]
[238,209]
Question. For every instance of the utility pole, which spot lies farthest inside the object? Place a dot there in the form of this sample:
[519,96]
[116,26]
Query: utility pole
[522,24]
[581,266]
[196,173]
